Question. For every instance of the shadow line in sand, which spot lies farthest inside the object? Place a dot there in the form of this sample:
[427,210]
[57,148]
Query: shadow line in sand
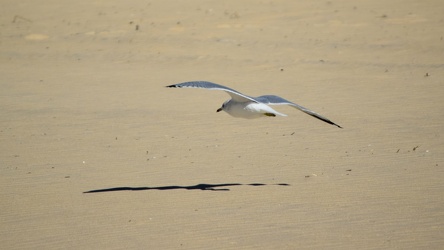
[203,187]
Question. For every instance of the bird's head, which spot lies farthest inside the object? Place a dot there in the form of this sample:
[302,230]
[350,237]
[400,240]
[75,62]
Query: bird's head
[223,107]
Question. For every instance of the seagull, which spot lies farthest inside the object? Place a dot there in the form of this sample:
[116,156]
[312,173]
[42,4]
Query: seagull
[248,107]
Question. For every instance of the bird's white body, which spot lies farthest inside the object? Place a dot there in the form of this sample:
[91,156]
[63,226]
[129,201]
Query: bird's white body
[248,110]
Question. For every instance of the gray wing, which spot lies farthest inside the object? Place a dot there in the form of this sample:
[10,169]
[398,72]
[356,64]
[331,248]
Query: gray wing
[237,96]
[276,100]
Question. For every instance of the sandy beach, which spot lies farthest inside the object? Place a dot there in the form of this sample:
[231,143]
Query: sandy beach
[97,154]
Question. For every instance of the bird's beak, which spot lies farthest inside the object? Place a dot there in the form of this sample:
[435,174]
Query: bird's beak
[219,110]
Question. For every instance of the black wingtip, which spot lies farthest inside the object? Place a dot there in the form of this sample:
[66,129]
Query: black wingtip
[171,86]
[332,123]
[325,120]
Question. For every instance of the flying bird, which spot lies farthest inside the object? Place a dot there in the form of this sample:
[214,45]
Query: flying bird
[248,107]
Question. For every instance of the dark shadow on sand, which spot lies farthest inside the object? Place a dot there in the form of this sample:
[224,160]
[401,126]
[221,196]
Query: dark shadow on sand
[203,187]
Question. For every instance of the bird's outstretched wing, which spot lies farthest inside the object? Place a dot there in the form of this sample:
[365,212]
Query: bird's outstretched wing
[276,100]
[237,96]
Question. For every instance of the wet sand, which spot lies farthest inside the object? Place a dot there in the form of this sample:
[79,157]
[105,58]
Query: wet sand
[97,154]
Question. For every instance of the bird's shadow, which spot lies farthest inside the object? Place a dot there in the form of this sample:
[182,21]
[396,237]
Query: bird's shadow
[202,187]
